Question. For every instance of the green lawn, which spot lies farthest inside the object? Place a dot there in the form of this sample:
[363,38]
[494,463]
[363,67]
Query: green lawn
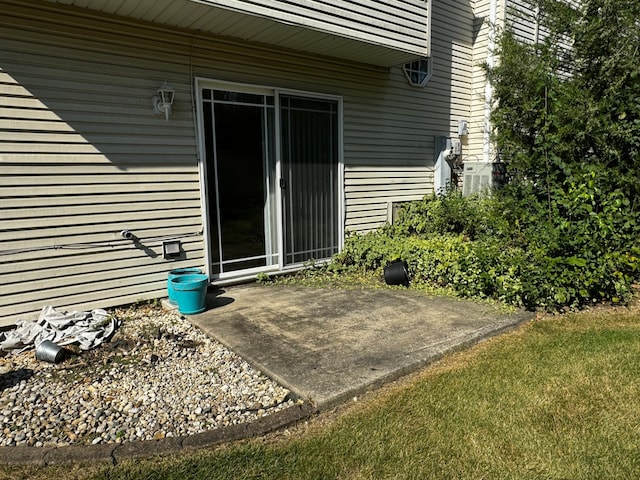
[558,398]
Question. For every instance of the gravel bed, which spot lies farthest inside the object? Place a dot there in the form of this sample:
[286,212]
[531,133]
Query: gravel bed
[158,377]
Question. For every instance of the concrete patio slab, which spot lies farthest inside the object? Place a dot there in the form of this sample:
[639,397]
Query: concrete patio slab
[329,345]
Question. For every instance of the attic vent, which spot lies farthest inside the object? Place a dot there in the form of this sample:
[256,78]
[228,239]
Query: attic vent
[418,72]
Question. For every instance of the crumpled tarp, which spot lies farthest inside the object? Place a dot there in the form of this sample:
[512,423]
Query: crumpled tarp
[86,329]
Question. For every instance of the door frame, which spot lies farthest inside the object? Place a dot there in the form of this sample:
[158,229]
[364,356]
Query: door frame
[204,82]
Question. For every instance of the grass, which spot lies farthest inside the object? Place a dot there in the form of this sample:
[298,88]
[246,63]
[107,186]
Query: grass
[558,398]
[323,276]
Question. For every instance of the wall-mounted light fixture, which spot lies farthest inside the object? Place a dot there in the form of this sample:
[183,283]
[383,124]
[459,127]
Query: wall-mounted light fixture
[163,100]
[171,249]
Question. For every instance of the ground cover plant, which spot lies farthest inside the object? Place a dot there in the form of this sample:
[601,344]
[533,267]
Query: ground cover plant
[557,398]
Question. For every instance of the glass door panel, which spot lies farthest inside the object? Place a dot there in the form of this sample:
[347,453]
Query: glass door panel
[238,131]
[310,159]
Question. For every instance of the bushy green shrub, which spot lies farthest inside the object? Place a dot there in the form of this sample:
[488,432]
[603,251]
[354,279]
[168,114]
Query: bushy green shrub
[518,256]
[564,230]
[471,217]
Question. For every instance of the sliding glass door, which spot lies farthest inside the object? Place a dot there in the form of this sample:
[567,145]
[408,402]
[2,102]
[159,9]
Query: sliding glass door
[272,186]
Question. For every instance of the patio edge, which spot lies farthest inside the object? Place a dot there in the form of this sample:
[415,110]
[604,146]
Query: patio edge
[115,453]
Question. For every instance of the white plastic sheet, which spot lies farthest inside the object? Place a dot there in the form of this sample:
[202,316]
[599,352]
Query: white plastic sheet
[85,329]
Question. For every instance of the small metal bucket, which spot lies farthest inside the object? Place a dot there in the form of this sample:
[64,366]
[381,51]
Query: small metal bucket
[50,352]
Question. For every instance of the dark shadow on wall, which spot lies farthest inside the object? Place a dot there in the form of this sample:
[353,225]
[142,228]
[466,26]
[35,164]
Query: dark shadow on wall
[92,100]
[106,100]
[83,145]
[98,102]
[84,157]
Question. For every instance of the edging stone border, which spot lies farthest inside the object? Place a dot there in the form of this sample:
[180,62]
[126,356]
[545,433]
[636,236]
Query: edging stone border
[114,453]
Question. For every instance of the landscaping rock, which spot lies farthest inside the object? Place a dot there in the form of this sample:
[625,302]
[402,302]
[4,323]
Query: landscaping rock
[158,378]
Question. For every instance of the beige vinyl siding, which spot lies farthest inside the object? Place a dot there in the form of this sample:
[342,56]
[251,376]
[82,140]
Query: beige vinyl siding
[82,158]
[484,30]
[370,190]
[402,167]
[387,156]
[521,18]
[517,15]
[82,155]
[482,27]
[526,23]
[398,24]
[524,20]
[383,33]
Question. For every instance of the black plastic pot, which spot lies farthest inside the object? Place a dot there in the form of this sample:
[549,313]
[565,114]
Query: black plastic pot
[397,273]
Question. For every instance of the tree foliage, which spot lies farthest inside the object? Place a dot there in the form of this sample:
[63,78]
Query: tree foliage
[567,123]
[570,104]
[564,231]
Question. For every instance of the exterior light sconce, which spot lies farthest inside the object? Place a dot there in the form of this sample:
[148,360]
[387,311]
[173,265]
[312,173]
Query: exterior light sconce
[163,100]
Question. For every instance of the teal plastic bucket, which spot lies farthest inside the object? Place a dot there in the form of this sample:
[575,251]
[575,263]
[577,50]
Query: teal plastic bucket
[177,273]
[190,292]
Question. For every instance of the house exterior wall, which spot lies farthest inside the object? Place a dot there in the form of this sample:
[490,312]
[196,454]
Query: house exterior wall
[482,29]
[524,20]
[397,24]
[404,128]
[82,156]
[380,32]
[81,159]
[491,18]
[521,18]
